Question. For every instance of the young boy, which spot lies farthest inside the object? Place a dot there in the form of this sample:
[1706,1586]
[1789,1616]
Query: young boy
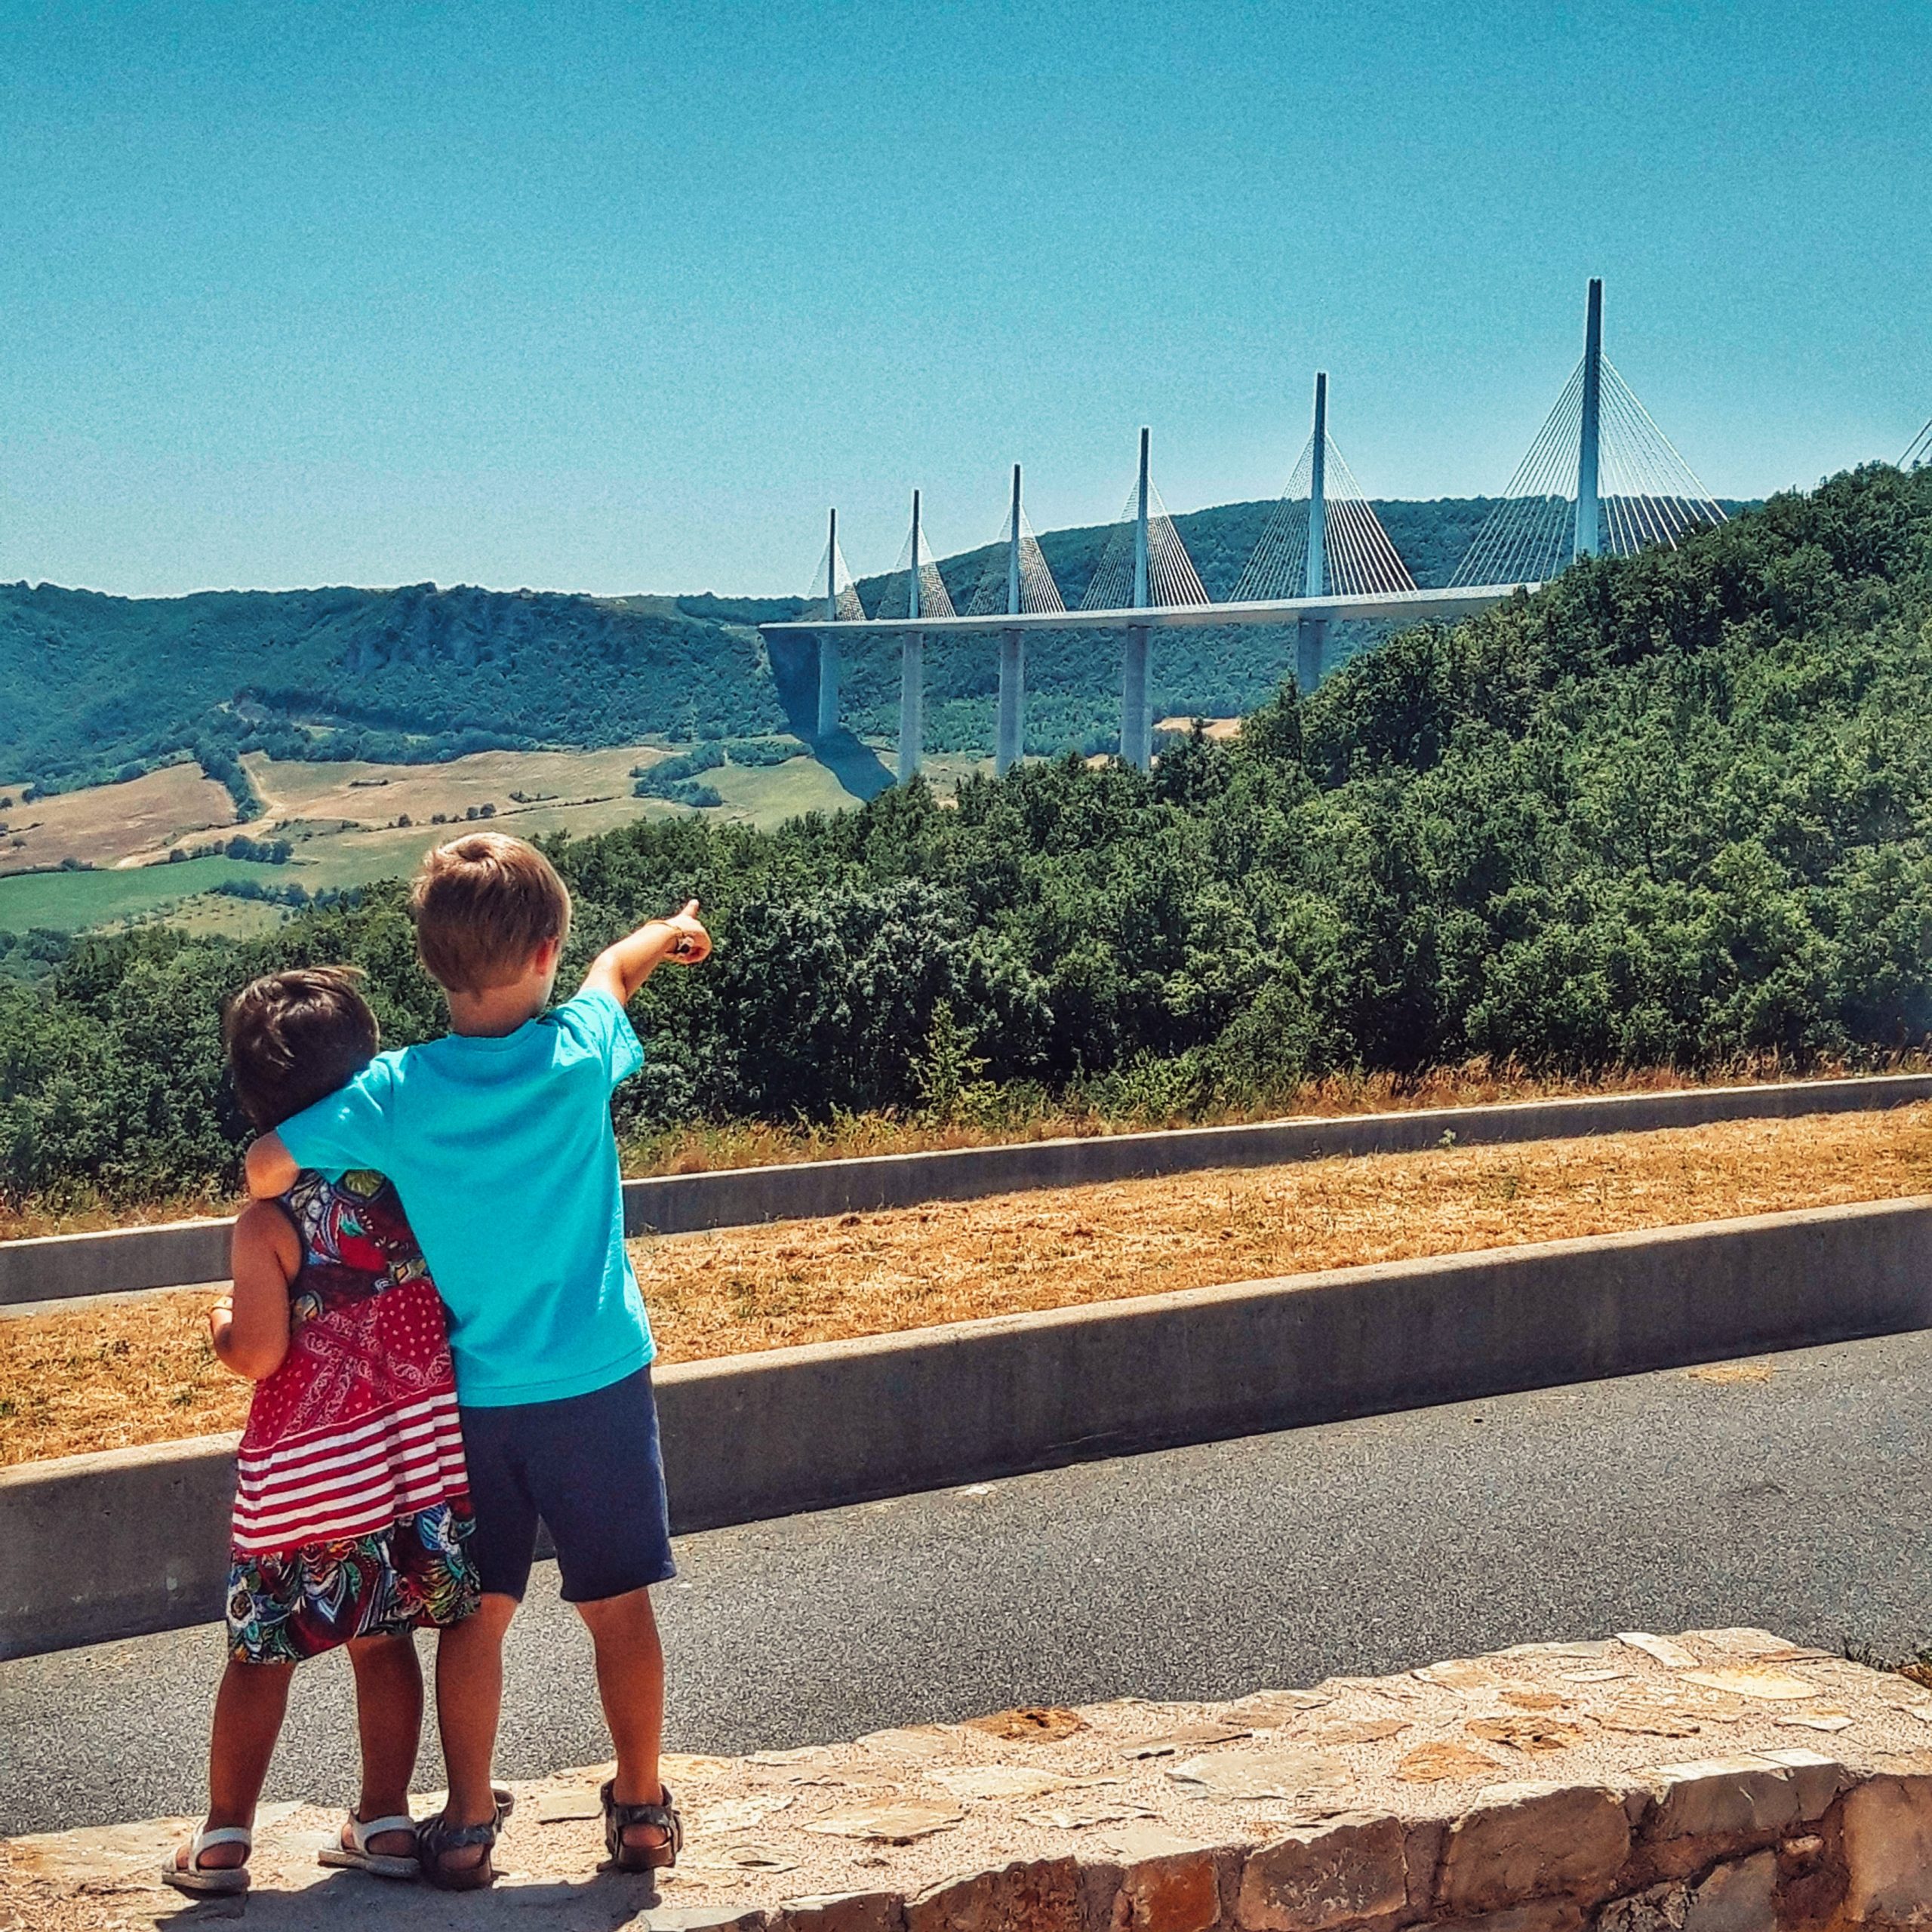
[498,1138]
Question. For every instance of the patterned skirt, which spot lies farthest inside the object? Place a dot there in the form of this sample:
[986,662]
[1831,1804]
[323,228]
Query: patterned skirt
[295,1604]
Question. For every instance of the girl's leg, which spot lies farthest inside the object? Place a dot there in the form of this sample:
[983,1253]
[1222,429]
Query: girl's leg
[248,1711]
[388,1719]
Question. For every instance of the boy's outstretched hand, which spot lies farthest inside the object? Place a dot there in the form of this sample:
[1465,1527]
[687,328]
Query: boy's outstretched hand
[692,947]
[619,969]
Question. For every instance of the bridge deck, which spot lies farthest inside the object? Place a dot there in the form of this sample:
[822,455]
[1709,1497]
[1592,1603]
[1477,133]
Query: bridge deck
[1384,606]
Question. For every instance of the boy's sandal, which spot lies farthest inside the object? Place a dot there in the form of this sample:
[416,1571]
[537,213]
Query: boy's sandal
[200,1881]
[436,1839]
[356,1856]
[619,1818]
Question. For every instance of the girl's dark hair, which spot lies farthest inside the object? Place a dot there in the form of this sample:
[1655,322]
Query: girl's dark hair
[291,1038]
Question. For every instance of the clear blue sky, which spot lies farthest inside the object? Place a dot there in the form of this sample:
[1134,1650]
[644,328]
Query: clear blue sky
[619,297]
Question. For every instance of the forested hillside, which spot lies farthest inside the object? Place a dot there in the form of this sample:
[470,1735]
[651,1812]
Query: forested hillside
[92,687]
[90,684]
[1672,810]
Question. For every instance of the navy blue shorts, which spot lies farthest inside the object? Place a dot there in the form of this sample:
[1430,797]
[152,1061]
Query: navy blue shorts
[590,1468]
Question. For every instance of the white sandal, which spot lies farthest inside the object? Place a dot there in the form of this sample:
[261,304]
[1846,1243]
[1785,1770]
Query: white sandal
[222,1879]
[380,1865]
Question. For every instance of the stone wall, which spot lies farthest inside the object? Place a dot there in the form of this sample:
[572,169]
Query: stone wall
[1634,1784]
[1785,1840]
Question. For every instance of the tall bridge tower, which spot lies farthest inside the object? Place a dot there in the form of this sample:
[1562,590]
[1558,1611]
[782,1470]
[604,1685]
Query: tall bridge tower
[1589,441]
[1600,479]
[1312,633]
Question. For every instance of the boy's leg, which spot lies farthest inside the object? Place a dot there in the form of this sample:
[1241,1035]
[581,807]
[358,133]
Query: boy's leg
[469,1699]
[598,1474]
[630,1680]
[388,1721]
[248,1711]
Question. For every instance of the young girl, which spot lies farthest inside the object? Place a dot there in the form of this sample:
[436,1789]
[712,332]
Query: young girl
[352,1509]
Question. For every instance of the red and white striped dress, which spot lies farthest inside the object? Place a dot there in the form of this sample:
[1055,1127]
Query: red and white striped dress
[351,1504]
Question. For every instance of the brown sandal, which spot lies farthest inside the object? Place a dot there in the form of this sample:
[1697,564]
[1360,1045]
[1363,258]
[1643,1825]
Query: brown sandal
[662,1816]
[435,1839]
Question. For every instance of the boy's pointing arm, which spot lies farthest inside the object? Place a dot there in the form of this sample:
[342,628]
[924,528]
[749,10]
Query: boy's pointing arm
[620,969]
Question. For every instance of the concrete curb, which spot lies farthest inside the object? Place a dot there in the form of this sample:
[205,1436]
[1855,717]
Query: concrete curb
[134,1541]
[57,1266]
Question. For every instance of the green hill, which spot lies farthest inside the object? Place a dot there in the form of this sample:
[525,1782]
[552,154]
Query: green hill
[90,684]
[93,686]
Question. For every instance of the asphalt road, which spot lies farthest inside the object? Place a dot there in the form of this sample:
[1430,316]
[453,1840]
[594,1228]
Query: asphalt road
[1660,1502]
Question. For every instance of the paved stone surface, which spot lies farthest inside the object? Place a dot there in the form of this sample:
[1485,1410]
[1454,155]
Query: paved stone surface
[1650,1503]
[1096,1820]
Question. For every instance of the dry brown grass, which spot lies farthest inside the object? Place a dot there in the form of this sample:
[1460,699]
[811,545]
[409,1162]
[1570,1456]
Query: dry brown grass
[376,794]
[104,825]
[140,1370]
[688,1150]
[84,1212]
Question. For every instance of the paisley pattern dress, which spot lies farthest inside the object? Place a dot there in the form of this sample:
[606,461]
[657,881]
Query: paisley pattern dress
[352,1508]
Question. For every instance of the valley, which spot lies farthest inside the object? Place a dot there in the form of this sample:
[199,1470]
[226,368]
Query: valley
[99,857]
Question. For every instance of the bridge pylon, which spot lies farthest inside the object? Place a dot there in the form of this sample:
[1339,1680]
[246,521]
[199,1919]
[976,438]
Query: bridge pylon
[1312,633]
[1016,582]
[1323,539]
[1600,479]
[914,590]
[837,596]
[1145,567]
[1589,441]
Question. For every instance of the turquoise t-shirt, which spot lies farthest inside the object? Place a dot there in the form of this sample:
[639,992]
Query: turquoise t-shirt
[502,1151]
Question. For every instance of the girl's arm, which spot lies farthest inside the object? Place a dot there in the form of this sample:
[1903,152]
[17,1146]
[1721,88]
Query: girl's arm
[250,1328]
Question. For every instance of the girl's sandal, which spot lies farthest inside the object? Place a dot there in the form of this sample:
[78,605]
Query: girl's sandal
[436,1839]
[356,1856]
[206,1881]
[619,1818]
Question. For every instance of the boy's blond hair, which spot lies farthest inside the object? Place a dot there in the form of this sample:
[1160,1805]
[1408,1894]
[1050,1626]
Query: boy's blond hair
[483,904]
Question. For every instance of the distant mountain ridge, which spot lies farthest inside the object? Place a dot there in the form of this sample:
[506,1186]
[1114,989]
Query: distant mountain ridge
[94,687]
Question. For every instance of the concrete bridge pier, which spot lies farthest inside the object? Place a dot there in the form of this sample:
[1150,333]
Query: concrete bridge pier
[1136,727]
[911,703]
[1311,639]
[827,685]
[828,642]
[1010,744]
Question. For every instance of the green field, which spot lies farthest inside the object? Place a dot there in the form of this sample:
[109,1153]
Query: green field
[73,901]
[591,793]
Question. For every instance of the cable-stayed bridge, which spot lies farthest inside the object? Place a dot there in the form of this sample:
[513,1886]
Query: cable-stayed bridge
[1600,478]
